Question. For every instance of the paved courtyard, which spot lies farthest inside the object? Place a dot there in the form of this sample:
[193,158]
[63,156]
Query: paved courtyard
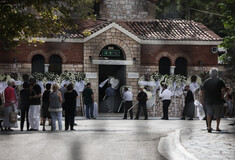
[106,138]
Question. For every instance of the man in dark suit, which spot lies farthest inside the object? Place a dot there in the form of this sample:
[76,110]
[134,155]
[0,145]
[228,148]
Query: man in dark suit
[142,98]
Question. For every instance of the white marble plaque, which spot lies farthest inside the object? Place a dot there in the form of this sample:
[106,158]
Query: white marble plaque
[91,75]
[133,75]
[113,62]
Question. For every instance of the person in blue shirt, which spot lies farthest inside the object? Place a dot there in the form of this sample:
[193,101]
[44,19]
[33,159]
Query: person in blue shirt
[110,93]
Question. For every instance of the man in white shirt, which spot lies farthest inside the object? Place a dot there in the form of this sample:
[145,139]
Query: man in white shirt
[128,97]
[166,99]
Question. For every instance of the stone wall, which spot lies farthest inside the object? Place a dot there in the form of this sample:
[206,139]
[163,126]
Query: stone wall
[112,36]
[25,68]
[70,53]
[151,54]
[15,67]
[127,9]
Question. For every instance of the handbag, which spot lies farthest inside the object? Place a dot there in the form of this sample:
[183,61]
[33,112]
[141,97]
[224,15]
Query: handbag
[13,114]
[13,117]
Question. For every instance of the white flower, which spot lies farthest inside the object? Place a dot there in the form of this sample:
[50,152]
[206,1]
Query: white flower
[67,76]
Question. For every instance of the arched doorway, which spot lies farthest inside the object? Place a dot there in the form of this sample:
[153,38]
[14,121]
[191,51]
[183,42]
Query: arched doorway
[181,66]
[164,66]
[111,52]
[55,62]
[38,64]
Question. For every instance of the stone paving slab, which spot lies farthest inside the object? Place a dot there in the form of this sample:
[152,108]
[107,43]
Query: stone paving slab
[112,138]
[210,146]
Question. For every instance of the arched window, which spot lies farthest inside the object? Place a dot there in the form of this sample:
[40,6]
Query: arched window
[38,64]
[181,66]
[112,52]
[164,66]
[55,62]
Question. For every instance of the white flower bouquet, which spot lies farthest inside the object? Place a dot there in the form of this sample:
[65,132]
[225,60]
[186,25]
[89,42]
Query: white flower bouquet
[194,79]
[4,77]
[156,76]
[52,77]
[68,76]
[37,76]
[167,80]
[80,76]
[179,79]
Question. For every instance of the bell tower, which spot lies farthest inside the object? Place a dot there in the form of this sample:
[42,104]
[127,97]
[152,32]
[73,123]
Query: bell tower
[127,9]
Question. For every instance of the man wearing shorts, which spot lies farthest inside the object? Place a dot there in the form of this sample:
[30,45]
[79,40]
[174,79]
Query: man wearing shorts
[213,88]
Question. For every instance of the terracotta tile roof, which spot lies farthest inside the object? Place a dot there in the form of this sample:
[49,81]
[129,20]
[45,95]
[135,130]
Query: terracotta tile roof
[169,30]
[177,30]
[92,26]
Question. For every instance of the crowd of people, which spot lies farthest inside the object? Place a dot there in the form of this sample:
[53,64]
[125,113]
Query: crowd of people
[50,104]
[54,100]
[214,94]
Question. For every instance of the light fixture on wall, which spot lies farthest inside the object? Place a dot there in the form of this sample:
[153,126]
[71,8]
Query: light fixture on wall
[90,58]
[134,59]
[15,59]
[200,63]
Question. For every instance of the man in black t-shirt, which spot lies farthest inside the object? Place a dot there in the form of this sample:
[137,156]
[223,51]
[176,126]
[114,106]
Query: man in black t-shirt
[142,98]
[35,103]
[213,88]
[88,96]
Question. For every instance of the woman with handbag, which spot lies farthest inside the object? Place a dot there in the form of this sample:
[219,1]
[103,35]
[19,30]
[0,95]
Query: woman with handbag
[10,114]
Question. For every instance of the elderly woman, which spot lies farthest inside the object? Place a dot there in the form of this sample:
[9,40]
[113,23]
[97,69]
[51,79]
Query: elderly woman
[10,106]
[55,107]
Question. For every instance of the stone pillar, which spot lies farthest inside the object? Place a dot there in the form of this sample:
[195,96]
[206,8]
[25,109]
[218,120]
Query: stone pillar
[46,67]
[172,70]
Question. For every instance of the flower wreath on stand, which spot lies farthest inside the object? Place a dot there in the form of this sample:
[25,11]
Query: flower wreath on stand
[4,77]
[37,76]
[18,79]
[3,81]
[67,78]
[179,83]
[122,91]
[40,79]
[80,76]
[194,83]
[52,78]
[149,84]
[166,80]
[81,81]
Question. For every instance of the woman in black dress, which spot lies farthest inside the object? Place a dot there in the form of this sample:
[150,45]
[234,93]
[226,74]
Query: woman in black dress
[70,106]
[24,105]
[45,104]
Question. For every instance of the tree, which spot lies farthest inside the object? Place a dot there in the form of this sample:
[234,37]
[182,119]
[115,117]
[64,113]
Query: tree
[218,15]
[204,11]
[23,19]
[227,8]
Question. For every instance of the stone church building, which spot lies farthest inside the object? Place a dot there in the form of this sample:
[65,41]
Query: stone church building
[125,42]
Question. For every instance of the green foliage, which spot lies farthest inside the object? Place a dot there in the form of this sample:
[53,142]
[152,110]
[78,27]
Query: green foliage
[23,19]
[217,15]
[227,7]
